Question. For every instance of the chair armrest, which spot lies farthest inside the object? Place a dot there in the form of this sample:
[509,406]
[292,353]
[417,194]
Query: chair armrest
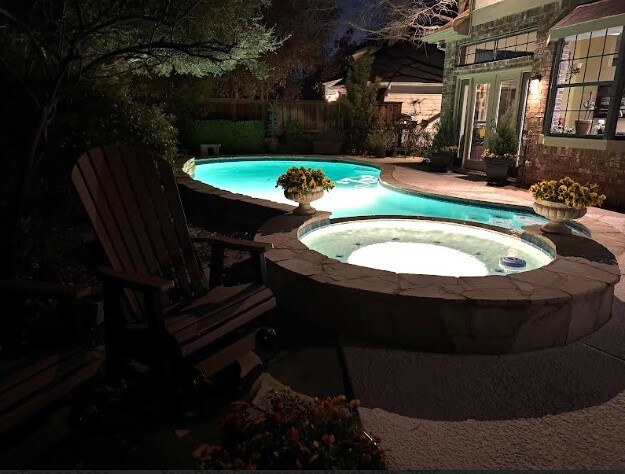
[232,243]
[41,289]
[136,281]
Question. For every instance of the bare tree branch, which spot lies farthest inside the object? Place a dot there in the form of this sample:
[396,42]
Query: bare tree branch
[403,20]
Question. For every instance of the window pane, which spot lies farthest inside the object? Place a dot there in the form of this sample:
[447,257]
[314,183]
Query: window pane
[597,42]
[608,68]
[592,67]
[613,40]
[579,47]
[576,71]
[581,110]
[515,46]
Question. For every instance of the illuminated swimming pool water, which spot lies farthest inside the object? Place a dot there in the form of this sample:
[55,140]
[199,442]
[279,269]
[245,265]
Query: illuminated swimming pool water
[357,192]
[424,247]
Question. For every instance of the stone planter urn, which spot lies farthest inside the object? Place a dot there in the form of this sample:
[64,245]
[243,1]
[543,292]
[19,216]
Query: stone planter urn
[558,214]
[441,161]
[304,200]
[497,170]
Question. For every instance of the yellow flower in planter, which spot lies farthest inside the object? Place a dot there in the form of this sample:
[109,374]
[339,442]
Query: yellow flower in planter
[304,180]
[569,192]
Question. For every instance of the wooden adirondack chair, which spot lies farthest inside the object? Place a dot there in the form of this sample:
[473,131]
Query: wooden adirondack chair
[169,319]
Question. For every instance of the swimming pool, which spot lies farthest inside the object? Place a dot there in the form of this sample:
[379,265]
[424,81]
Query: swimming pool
[358,191]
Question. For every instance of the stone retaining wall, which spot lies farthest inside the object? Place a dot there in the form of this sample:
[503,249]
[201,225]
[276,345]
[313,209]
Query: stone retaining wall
[222,210]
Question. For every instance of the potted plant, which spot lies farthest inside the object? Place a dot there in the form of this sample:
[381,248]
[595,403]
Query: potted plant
[272,128]
[563,200]
[376,142]
[444,146]
[292,433]
[502,150]
[304,185]
[584,126]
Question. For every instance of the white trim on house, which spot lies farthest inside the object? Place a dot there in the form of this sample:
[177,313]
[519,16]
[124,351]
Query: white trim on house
[583,143]
[503,8]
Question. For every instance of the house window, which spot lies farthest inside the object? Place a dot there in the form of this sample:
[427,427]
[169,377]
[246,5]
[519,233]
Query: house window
[585,85]
[522,44]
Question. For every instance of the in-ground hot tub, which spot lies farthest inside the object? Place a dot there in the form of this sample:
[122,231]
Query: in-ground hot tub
[427,247]
[514,311]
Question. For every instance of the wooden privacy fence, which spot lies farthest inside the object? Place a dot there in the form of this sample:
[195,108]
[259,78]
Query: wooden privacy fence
[312,115]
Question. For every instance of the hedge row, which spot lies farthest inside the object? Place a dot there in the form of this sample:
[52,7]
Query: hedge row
[235,137]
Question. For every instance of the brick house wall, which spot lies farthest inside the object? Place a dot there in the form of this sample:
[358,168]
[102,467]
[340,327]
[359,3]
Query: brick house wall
[539,161]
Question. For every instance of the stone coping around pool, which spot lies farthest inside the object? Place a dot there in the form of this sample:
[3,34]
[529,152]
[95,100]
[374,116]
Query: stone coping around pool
[386,179]
[546,307]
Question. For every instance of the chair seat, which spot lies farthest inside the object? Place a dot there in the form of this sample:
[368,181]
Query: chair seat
[29,384]
[220,312]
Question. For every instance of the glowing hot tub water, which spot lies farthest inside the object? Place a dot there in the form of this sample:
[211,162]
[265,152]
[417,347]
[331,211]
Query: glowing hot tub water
[425,247]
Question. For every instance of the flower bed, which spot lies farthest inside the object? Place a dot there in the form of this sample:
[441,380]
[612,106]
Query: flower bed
[293,434]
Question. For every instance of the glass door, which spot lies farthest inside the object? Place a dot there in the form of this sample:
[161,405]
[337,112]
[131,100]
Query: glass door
[480,118]
[491,97]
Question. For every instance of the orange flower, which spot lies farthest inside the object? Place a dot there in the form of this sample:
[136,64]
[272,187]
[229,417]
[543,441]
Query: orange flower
[328,438]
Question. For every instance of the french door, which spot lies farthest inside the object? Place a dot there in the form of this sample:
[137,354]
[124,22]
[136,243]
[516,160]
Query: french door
[483,100]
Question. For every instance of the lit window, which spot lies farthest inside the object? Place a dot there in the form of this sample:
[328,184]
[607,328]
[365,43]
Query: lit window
[522,44]
[585,85]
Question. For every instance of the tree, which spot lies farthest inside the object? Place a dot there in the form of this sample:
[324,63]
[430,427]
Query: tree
[51,47]
[358,106]
[305,27]
[403,20]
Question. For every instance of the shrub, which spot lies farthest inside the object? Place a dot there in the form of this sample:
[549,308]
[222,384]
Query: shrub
[445,137]
[503,142]
[297,139]
[569,192]
[358,107]
[272,120]
[293,434]
[235,137]
[118,119]
[376,139]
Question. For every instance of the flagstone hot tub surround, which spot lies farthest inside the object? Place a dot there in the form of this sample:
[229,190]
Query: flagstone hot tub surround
[547,307]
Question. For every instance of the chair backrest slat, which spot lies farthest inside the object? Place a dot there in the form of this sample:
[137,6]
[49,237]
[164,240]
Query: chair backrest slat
[143,226]
[147,206]
[120,218]
[156,187]
[132,199]
[172,197]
